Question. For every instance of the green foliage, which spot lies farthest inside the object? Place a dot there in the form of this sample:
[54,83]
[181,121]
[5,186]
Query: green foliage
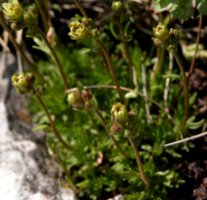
[144,120]
[180,9]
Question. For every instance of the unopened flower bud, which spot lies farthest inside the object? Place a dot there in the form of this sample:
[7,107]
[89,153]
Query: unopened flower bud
[161,35]
[127,133]
[86,95]
[90,101]
[80,29]
[13,10]
[119,113]
[75,99]
[116,127]
[90,104]
[23,82]
[161,32]
[117,6]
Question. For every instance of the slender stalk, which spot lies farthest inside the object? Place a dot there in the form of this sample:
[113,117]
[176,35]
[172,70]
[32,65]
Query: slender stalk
[80,7]
[196,48]
[107,58]
[186,139]
[186,91]
[139,162]
[144,89]
[123,89]
[42,14]
[18,47]
[128,57]
[19,58]
[167,81]
[57,61]
[52,123]
[110,135]
[167,85]
[157,66]
[131,90]
[46,7]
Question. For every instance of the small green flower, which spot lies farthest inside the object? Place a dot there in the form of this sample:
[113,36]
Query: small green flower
[161,31]
[117,6]
[80,29]
[161,35]
[75,99]
[13,10]
[119,113]
[23,82]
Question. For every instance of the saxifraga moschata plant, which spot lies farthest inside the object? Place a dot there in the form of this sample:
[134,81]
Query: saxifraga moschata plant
[111,139]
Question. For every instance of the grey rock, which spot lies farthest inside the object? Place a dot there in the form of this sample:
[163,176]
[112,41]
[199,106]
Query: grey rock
[26,170]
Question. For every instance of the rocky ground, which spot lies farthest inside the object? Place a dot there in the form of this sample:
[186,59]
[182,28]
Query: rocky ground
[26,170]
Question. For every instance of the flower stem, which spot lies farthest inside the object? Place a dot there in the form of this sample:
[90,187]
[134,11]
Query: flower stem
[158,66]
[80,7]
[186,91]
[57,61]
[52,123]
[196,48]
[107,58]
[42,14]
[19,48]
[110,135]
[139,162]
[128,57]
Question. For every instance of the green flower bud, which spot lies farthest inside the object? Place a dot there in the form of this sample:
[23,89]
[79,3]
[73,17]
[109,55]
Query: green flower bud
[127,133]
[90,104]
[23,82]
[80,29]
[119,113]
[31,16]
[117,6]
[161,35]
[13,10]
[161,32]
[75,99]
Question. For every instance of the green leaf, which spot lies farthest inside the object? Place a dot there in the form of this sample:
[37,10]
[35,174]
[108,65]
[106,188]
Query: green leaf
[40,127]
[194,125]
[179,9]
[202,7]
[162,5]
[182,9]
[171,76]
[40,45]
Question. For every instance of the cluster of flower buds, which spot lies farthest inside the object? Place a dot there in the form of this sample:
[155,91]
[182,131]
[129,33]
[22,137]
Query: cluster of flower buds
[23,82]
[122,119]
[81,100]
[81,28]
[119,117]
[163,37]
[18,16]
